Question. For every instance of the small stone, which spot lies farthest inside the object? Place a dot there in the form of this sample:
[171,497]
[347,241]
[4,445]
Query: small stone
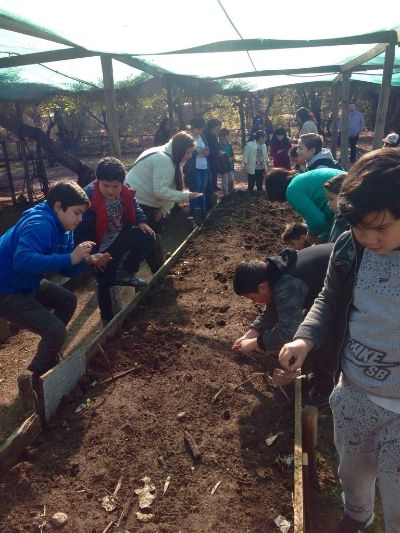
[181,415]
[58,520]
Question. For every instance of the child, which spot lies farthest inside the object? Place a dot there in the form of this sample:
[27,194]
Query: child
[255,161]
[279,149]
[118,226]
[359,304]
[296,164]
[391,140]
[310,149]
[287,284]
[42,241]
[332,190]
[295,235]
[226,159]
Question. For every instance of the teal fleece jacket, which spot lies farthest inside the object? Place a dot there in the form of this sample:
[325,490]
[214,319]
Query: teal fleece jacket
[306,194]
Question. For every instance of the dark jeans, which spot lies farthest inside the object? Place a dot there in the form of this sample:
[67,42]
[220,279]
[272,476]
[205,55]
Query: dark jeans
[353,141]
[133,240]
[255,179]
[34,312]
[200,183]
[155,258]
[323,361]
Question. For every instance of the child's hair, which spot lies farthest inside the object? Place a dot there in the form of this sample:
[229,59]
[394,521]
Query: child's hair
[259,134]
[248,276]
[372,185]
[251,137]
[278,131]
[312,140]
[293,232]
[224,132]
[293,154]
[181,142]
[304,114]
[110,169]
[68,193]
[197,122]
[277,182]
[334,184]
[213,123]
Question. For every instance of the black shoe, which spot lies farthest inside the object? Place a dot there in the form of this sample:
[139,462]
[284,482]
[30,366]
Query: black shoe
[348,525]
[132,281]
[317,398]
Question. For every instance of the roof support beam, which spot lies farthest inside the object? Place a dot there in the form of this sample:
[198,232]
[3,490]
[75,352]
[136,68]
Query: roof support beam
[335,117]
[384,94]
[12,24]
[367,56]
[44,57]
[111,106]
[344,123]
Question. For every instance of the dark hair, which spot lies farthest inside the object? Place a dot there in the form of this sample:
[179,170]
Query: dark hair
[372,185]
[110,169]
[224,132]
[197,122]
[293,231]
[293,152]
[181,142]
[304,114]
[312,140]
[334,184]
[277,182]
[68,193]
[251,138]
[213,123]
[259,134]
[248,276]
[163,123]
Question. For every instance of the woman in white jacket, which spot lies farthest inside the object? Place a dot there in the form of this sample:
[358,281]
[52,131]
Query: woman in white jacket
[157,179]
[255,161]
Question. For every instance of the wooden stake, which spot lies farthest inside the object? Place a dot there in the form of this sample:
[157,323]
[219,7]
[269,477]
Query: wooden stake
[26,393]
[13,447]
[192,445]
[309,427]
[120,375]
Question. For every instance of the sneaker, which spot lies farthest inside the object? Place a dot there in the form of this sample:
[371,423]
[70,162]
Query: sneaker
[317,398]
[132,281]
[348,525]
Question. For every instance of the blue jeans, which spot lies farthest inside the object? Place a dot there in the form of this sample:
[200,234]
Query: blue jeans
[200,183]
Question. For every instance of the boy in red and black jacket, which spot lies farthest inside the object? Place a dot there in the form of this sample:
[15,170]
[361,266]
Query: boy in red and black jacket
[117,224]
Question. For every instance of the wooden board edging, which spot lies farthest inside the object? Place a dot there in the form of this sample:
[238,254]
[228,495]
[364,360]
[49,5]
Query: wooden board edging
[14,445]
[298,499]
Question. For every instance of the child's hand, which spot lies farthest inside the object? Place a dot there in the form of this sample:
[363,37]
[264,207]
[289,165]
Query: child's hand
[293,354]
[146,229]
[245,345]
[195,195]
[99,261]
[81,252]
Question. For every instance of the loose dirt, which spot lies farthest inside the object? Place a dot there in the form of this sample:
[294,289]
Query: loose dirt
[181,339]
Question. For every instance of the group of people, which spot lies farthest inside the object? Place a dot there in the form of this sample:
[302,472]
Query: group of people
[332,292]
[338,303]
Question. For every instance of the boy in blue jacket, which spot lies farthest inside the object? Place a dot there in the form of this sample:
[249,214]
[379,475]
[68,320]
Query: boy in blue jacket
[117,224]
[41,242]
[359,307]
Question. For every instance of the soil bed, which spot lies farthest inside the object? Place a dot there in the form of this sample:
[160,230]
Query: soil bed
[181,339]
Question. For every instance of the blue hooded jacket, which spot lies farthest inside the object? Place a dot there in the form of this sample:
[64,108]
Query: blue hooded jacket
[37,244]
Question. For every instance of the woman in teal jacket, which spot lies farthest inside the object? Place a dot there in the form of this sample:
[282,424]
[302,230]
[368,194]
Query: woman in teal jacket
[306,195]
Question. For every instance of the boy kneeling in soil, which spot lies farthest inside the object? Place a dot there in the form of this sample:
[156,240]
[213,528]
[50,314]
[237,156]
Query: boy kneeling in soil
[288,284]
[295,235]
[41,242]
[117,224]
[360,305]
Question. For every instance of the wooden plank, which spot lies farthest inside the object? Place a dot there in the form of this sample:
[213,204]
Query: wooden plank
[298,499]
[111,106]
[359,60]
[383,102]
[309,431]
[344,129]
[22,437]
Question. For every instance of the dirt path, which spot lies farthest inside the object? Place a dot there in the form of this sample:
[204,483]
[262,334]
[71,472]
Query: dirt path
[181,338]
